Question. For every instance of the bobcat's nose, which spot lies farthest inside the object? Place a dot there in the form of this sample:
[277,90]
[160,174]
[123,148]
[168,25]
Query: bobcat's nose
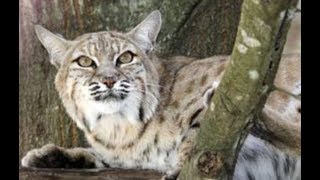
[109,81]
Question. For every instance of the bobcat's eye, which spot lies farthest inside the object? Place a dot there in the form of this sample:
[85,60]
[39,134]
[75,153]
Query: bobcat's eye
[125,58]
[85,62]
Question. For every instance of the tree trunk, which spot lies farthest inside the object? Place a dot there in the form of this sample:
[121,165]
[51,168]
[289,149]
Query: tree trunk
[243,90]
[198,28]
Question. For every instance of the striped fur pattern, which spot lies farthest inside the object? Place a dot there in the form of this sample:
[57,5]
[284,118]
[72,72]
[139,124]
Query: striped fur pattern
[259,160]
[137,114]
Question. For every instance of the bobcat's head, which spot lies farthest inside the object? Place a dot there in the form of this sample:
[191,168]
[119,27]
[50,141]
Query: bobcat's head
[106,73]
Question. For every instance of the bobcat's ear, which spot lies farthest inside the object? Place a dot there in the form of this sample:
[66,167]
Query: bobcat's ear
[55,45]
[145,33]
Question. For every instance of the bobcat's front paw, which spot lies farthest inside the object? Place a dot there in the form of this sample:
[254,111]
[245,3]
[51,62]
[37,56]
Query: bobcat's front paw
[51,156]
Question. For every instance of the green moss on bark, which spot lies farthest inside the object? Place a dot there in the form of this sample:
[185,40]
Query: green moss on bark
[224,129]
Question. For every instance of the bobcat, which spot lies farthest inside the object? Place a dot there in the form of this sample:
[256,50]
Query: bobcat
[138,110]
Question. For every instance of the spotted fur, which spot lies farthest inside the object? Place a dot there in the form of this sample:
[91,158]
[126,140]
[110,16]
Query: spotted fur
[148,118]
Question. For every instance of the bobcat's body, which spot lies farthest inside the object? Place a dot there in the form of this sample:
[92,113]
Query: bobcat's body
[157,143]
[136,112]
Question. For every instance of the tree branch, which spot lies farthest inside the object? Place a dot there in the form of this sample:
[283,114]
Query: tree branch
[261,35]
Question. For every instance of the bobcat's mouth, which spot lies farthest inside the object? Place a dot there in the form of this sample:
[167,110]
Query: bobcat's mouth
[111,96]
[118,92]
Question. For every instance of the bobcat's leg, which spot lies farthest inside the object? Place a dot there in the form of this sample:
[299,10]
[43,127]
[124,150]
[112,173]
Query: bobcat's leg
[183,152]
[51,156]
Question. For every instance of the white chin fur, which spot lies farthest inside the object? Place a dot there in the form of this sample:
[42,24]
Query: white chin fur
[124,110]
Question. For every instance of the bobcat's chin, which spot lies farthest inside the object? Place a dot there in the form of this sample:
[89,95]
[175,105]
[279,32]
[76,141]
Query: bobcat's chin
[111,96]
[123,107]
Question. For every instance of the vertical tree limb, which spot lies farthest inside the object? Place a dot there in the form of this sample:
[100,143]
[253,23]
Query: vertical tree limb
[260,38]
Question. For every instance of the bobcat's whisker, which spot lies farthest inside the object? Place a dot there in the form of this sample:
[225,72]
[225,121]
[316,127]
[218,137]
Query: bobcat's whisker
[163,87]
[147,93]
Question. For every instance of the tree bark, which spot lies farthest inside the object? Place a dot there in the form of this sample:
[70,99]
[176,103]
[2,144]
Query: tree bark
[243,90]
[198,28]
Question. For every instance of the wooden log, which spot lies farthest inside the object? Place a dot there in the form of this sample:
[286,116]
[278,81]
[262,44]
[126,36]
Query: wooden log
[87,174]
